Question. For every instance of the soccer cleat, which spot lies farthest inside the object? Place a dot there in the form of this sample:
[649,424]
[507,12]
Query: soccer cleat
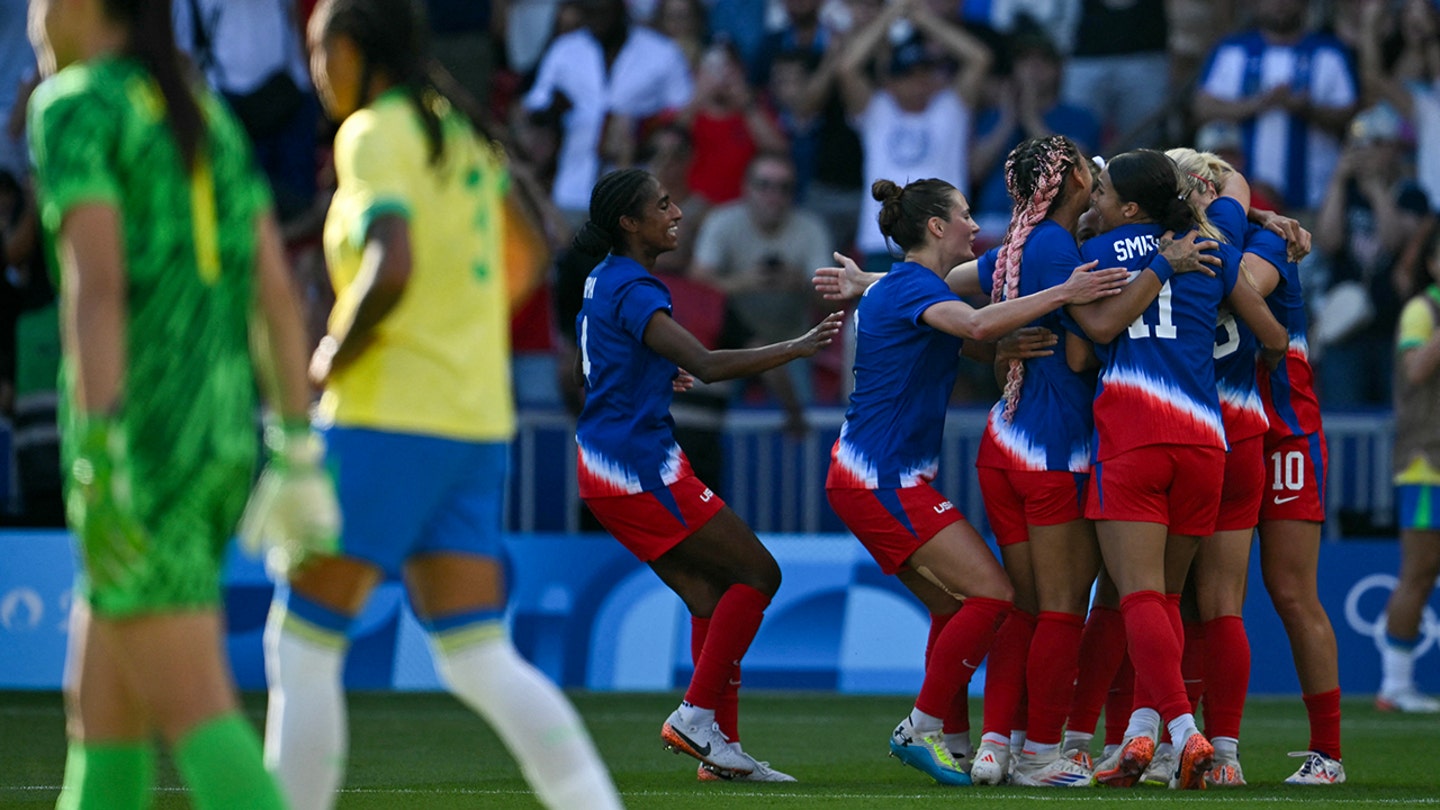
[1407,700]
[1080,757]
[926,753]
[761,772]
[1317,769]
[1225,772]
[1125,767]
[991,764]
[1162,766]
[1195,760]
[703,742]
[1051,771]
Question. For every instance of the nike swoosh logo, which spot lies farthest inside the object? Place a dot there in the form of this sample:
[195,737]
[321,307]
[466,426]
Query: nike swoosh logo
[702,751]
[1279,500]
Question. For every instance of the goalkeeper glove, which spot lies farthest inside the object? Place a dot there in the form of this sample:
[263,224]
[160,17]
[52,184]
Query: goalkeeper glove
[99,503]
[293,514]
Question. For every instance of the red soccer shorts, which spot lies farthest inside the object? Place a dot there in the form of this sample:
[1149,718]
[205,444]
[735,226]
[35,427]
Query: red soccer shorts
[1017,499]
[1177,485]
[1295,468]
[651,523]
[893,523]
[1244,485]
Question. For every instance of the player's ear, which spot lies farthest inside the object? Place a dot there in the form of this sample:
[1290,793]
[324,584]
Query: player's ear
[936,226]
[629,224]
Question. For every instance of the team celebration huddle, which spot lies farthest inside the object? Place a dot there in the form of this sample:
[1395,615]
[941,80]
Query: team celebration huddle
[1143,320]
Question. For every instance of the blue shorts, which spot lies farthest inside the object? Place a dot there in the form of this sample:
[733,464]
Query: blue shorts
[1419,506]
[403,494]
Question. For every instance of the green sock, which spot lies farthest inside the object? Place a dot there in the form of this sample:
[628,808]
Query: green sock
[108,776]
[220,763]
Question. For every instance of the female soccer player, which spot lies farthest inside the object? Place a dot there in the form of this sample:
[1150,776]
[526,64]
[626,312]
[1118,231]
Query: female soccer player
[636,480]
[1293,508]
[909,328]
[1161,445]
[1222,560]
[419,416]
[168,256]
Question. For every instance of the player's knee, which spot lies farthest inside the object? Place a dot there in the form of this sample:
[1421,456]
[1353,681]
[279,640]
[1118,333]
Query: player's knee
[764,576]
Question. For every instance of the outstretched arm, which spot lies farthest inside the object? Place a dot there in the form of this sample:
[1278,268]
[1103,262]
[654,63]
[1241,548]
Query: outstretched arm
[973,55]
[991,322]
[673,342]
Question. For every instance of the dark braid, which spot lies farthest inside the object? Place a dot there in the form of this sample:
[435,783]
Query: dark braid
[152,41]
[619,194]
[393,36]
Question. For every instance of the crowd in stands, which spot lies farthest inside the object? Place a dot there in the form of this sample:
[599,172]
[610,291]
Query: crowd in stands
[768,119]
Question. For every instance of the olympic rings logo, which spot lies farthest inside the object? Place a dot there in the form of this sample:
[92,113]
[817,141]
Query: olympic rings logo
[1375,628]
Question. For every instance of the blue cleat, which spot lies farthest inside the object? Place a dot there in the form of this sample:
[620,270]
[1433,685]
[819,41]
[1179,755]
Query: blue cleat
[926,753]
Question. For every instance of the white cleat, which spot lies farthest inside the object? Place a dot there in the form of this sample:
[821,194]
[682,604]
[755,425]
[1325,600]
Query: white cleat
[1052,771]
[1161,767]
[991,765]
[1408,700]
[1317,769]
[705,743]
[760,772]
[1225,772]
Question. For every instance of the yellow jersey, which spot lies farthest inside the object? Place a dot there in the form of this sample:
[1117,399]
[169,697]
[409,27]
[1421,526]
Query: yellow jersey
[439,362]
[1414,415]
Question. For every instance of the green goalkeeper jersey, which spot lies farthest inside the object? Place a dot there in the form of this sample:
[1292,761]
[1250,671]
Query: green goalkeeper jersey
[99,135]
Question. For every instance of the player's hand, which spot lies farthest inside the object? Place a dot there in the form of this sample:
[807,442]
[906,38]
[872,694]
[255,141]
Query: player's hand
[682,381]
[1087,284]
[100,503]
[1272,358]
[844,282]
[1297,239]
[1026,343]
[821,336]
[293,514]
[1187,254]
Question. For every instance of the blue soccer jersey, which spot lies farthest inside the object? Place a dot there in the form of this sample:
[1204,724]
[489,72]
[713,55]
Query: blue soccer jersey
[625,433]
[904,373]
[1157,378]
[1235,344]
[1052,426]
[1288,392]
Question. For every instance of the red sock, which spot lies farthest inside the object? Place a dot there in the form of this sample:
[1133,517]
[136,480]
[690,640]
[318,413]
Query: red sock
[937,624]
[1227,675]
[1324,711]
[1005,673]
[1119,702]
[1102,648]
[957,720]
[1192,664]
[727,713]
[958,651]
[732,627]
[1054,660]
[1155,651]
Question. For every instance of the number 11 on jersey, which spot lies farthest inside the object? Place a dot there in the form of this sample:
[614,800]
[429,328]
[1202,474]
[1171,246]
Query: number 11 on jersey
[1165,328]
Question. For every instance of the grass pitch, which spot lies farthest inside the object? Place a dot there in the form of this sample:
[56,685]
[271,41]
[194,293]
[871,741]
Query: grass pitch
[427,751]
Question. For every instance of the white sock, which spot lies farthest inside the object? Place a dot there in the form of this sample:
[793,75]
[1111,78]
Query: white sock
[925,723]
[1078,741]
[1036,750]
[537,723]
[959,744]
[692,715]
[1181,728]
[1227,747]
[995,738]
[1398,666]
[305,727]
[1143,723]
[1017,742]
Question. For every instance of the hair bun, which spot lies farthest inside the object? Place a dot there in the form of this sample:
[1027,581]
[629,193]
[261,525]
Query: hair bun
[591,240]
[884,191]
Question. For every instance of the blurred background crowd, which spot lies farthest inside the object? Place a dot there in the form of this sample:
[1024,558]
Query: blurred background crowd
[767,120]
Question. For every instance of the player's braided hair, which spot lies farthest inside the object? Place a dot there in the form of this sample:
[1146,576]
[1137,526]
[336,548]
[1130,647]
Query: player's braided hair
[1035,172]
[904,211]
[1201,171]
[393,36]
[152,41]
[1150,180]
[618,194]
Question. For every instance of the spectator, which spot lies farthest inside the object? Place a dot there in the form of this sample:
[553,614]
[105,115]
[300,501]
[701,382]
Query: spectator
[684,22]
[802,31]
[604,79]
[250,51]
[1120,71]
[915,126]
[760,252]
[797,97]
[463,34]
[1028,106]
[1293,94]
[1417,97]
[1371,210]
[726,126]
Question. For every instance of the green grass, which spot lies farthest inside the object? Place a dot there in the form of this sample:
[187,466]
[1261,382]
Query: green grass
[426,751]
